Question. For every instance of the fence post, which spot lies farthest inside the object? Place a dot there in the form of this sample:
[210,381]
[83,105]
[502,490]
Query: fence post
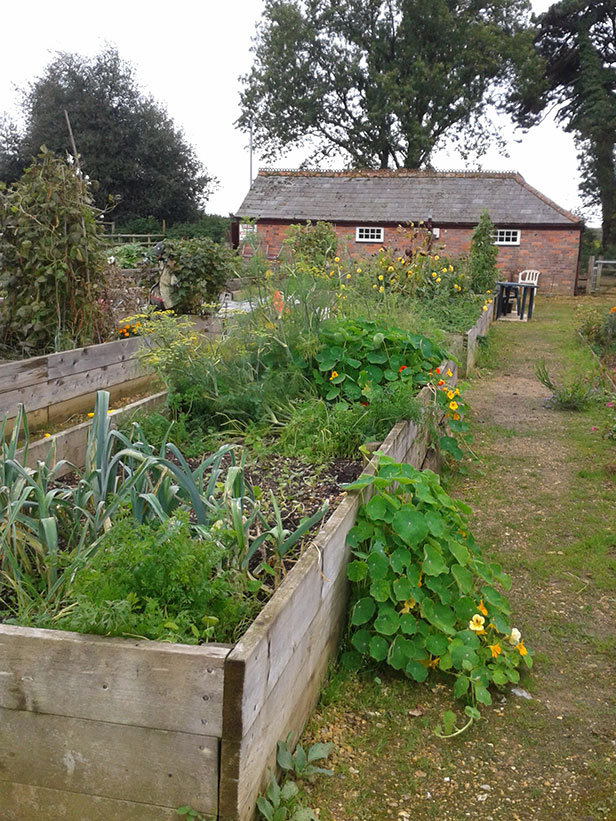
[589,276]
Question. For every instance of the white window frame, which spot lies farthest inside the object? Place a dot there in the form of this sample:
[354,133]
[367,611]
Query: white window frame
[246,230]
[368,233]
[507,236]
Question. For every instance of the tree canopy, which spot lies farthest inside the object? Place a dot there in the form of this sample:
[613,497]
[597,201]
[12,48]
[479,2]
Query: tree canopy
[126,141]
[576,72]
[381,82]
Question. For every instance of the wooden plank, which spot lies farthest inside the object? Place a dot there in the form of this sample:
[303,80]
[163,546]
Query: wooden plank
[109,760]
[144,683]
[23,373]
[79,360]
[58,390]
[23,802]
[244,762]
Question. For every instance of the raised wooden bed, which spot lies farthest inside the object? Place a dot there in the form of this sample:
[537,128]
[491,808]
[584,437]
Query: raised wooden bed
[114,728]
[465,347]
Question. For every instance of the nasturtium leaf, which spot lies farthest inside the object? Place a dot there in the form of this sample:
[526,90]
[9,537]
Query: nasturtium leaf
[528,660]
[363,610]
[513,674]
[354,363]
[459,551]
[460,686]
[449,445]
[440,586]
[378,648]
[435,522]
[472,712]
[423,492]
[361,641]
[501,623]
[378,565]
[402,589]
[413,575]
[445,662]
[423,630]
[437,644]
[332,393]
[416,670]
[356,571]
[377,508]
[494,598]
[465,608]
[400,559]
[499,676]
[390,375]
[338,380]
[408,624]
[374,374]
[433,564]
[482,695]
[439,615]
[358,534]
[351,389]
[399,653]
[351,660]
[378,339]
[463,577]
[387,621]
[469,638]
[502,578]
[410,525]
[380,590]
[460,654]
[376,357]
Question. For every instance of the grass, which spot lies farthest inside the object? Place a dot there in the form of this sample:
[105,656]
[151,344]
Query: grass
[543,495]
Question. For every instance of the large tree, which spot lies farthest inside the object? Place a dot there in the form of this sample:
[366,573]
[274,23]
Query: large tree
[126,141]
[380,82]
[576,43]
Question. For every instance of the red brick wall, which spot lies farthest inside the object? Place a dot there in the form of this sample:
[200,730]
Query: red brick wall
[553,252]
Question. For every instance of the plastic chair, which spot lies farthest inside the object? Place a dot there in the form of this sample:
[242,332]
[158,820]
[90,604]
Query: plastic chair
[528,277]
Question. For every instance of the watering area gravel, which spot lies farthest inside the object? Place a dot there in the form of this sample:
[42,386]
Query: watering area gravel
[543,494]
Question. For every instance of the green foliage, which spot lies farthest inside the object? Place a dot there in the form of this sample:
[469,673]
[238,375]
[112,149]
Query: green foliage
[201,268]
[355,356]
[574,394]
[126,140]
[281,803]
[131,255]
[575,72]
[52,260]
[423,597]
[598,326]
[158,583]
[212,226]
[482,272]
[394,94]
[310,244]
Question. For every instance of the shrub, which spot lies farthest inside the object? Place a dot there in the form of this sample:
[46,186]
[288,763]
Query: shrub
[131,255]
[201,268]
[482,270]
[52,260]
[313,245]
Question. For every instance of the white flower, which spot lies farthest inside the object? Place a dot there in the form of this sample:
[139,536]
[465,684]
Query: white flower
[515,636]
[110,260]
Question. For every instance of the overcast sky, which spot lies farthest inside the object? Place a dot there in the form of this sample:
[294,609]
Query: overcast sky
[189,55]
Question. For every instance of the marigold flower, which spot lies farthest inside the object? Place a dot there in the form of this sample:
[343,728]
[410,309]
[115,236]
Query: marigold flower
[476,623]
[482,608]
[521,649]
[613,310]
[453,406]
[495,650]
[333,376]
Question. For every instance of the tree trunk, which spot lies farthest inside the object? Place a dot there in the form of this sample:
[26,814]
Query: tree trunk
[606,181]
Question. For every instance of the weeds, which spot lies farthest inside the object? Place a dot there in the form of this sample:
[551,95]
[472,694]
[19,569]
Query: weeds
[575,394]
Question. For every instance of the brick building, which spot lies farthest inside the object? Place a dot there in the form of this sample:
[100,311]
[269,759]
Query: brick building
[366,208]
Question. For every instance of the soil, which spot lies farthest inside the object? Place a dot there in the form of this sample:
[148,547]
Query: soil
[543,496]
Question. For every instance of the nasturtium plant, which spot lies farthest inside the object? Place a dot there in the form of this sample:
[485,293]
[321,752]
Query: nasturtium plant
[356,356]
[423,596]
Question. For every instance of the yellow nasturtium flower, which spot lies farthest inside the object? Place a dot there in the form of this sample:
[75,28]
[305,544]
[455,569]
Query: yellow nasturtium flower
[476,623]
[333,376]
[453,406]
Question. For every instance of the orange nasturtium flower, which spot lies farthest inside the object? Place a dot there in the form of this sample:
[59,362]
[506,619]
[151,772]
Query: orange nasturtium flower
[613,310]
[278,302]
[521,649]
[440,382]
[495,650]
[333,376]
[402,368]
[482,608]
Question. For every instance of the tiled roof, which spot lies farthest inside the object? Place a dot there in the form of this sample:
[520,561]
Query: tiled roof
[400,196]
